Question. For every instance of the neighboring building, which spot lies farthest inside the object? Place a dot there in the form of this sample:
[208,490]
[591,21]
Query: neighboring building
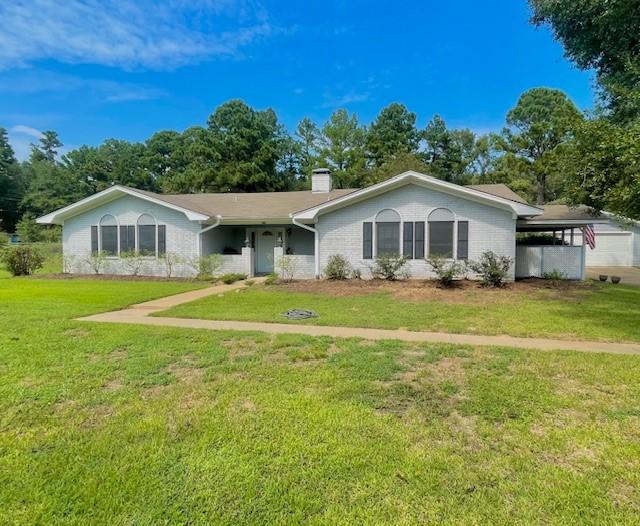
[412,214]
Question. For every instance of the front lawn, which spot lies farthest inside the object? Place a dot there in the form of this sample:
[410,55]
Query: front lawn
[590,311]
[116,424]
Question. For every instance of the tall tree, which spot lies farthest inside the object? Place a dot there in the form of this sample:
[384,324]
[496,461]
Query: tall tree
[603,35]
[342,148]
[47,147]
[542,120]
[308,137]
[10,184]
[391,133]
[245,149]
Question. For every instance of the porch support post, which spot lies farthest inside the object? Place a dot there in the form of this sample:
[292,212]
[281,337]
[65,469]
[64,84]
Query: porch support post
[248,261]
[278,253]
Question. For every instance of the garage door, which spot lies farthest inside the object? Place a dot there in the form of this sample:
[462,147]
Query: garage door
[613,249]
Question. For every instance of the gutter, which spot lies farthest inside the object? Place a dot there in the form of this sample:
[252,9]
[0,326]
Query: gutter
[316,244]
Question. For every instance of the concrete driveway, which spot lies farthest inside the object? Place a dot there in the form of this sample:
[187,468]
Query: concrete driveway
[629,275]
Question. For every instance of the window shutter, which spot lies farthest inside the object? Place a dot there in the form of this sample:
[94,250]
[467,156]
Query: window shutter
[162,239]
[463,239]
[367,240]
[94,239]
[419,240]
[407,240]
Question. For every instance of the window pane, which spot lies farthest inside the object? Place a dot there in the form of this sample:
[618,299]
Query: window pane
[407,240]
[388,241]
[127,238]
[419,240]
[463,239]
[441,239]
[109,240]
[147,240]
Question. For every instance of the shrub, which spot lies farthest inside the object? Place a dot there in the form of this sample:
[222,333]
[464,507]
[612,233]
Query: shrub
[171,260]
[271,279]
[338,267]
[22,260]
[555,276]
[491,268]
[28,230]
[68,260]
[356,273]
[390,267]
[96,261]
[132,261]
[206,267]
[286,267]
[4,238]
[232,277]
[446,271]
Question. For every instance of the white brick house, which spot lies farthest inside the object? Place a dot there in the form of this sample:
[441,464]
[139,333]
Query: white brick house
[411,214]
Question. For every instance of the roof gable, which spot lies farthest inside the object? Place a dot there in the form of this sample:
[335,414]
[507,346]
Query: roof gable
[411,177]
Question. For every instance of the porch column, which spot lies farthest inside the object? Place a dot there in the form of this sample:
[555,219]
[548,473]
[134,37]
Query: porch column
[278,253]
[248,261]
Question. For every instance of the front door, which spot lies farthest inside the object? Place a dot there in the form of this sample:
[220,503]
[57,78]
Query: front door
[265,241]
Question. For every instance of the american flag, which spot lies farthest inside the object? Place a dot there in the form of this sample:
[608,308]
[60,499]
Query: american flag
[589,236]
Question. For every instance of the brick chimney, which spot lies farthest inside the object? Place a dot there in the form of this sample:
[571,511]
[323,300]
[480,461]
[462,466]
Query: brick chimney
[321,181]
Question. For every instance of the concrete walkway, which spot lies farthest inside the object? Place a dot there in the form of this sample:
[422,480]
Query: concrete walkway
[139,314]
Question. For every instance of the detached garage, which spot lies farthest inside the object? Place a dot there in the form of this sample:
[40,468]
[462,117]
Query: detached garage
[616,245]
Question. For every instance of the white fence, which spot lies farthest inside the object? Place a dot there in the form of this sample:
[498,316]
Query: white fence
[536,261]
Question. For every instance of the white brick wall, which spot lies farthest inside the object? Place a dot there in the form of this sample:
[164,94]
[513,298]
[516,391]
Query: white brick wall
[490,228]
[182,235]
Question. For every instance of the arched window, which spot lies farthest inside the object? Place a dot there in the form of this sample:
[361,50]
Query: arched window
[147,238]
[109,235]
[441,233]
[387,233]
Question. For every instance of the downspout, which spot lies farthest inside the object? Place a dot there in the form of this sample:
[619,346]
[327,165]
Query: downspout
[210,227]
[316,244]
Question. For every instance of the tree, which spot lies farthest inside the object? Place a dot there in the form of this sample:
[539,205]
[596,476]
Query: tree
[245,148]
[47,147]
[308,138]
[542,120]
[399,163]
[603,35]
[342,148]
[10,184]
[393,132]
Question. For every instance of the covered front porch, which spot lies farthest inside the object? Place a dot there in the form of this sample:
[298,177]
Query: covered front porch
[258,249]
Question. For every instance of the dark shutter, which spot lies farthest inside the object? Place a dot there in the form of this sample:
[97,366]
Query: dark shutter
[94,239]
[162,239]
[419,249]
[367,240]
[463,239]
[407,240]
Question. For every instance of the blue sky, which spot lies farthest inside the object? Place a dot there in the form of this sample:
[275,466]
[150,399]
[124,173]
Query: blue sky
[93,69]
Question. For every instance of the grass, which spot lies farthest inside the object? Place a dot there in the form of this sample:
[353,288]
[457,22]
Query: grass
[125,424]
[601,312]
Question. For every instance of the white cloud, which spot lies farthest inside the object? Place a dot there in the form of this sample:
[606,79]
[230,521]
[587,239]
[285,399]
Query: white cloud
[21,129]
[22,136]
[344,100]
[127,33]
[30,81]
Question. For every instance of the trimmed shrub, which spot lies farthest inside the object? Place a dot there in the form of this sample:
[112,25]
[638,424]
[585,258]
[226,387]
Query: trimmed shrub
[206,267]
[22,260]
[446,271]
[271,279]
[390,268]
[232,277]
[132,261]
[338,267]
[96,261]
[492,269]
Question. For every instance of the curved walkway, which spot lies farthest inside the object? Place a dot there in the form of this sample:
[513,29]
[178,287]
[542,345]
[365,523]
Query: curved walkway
[139,314]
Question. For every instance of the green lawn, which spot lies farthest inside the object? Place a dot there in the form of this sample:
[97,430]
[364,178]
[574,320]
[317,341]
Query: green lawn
[105,424]
[594,312]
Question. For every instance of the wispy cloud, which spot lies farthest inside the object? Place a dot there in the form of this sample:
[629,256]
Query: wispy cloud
[21,129]
[130,34]
[30,82]
[352,97]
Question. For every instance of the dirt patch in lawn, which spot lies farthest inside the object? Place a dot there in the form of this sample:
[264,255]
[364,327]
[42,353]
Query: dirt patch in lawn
[463,291]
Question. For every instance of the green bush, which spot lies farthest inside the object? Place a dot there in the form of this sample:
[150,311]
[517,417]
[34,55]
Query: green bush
[390,267]
[446,271]
[555,276]
[271,279]
[206,267]
[492,269]
[232,277]
[22,260]
[4,238]
[338,267]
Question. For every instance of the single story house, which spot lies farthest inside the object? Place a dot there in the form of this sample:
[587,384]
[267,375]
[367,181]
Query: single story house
[411,214]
